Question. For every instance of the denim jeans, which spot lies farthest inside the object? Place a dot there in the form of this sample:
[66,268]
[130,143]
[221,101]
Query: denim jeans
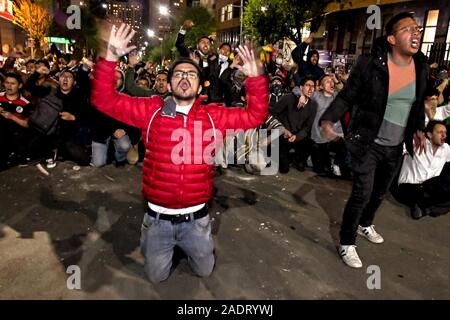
[159,237]
[372,176]
[100,150]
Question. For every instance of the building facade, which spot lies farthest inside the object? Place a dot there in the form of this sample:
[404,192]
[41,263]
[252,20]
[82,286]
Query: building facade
[131,13]
[345,31]
[10,34]
[228,17]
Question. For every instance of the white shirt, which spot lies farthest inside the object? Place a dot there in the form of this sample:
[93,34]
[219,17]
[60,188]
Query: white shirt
[184,109]
[442,113]
[223,67]
[174,212]
[424,166]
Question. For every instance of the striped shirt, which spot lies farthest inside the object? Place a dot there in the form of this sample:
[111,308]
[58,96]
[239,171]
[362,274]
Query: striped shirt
[20,107]
[402,94]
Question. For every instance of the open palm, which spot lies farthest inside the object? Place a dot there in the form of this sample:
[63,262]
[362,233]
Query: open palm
[251,67]
[118,42]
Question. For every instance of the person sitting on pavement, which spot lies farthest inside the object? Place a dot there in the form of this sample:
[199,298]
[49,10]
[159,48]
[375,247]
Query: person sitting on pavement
[321,149]
[105,128]
[72,102]
[423,185]
[296,113]
[14,113]
[177,183]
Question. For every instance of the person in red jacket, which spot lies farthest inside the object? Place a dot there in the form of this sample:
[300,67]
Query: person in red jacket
[180,135]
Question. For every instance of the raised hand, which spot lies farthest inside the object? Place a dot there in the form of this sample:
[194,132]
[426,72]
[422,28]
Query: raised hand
[251,67]
[118,42]
[188,24]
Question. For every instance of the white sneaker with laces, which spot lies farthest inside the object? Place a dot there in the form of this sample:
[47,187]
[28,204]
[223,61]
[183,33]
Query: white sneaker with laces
[350,256]
[50,163]
[370,234]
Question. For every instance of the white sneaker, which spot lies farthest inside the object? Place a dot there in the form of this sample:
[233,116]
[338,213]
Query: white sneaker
[50,163]
[370,234]
[350,256]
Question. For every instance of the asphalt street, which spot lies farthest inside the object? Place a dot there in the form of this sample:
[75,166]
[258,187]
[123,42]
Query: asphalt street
[275,237]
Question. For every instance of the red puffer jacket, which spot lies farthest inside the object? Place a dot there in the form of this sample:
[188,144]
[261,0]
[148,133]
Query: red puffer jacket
[178,165]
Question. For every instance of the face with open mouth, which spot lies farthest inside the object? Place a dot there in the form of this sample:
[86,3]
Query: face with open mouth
[184,83]
[66,82]
[11,86]
[407,36]
[438,136]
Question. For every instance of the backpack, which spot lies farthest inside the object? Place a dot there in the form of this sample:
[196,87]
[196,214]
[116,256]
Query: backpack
[45,118]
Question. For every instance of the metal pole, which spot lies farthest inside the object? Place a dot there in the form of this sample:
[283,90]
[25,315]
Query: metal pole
[31,37]
[240,27]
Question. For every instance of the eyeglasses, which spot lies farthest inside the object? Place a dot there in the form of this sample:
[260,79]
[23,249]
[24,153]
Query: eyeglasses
[411,29]
[188,74]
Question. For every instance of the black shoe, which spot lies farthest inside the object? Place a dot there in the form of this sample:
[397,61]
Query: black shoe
[416,212]
[121,164]
[299,166]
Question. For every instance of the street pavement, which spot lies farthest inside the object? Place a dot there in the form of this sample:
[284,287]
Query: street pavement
[275,236]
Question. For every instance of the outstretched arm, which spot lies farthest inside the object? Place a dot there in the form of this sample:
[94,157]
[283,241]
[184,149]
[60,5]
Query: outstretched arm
[130,110]
[257,88]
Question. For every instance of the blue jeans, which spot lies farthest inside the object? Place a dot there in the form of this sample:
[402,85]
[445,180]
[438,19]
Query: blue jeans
[100,150]
[159,237]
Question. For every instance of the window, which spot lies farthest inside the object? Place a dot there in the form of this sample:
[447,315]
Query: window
[222,14]
[229,12]
[226,13]
[430,30]
[447,52]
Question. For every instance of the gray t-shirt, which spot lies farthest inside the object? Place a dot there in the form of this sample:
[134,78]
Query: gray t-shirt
[323,102]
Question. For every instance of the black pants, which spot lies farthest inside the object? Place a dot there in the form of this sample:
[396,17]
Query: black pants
[302,151]
[321,158]
[15,140]
[432,196]
[42,147]
[373,173]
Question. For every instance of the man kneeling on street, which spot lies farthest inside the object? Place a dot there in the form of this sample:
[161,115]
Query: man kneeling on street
[180,135]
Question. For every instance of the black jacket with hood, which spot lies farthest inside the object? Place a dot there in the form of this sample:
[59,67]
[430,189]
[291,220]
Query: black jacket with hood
[365,97]
[306,68]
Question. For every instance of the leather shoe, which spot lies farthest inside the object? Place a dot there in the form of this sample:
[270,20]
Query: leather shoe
[416,212]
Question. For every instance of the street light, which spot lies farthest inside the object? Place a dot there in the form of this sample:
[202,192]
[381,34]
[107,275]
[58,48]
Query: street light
[150,33]
[163,10]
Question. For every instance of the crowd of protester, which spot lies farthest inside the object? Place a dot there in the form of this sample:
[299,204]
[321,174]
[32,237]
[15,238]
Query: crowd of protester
[300,92]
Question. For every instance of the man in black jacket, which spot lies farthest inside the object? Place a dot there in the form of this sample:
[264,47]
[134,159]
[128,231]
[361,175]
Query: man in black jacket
[385,96]
[297,114]
[311,65]
[72,99]
[202,54]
